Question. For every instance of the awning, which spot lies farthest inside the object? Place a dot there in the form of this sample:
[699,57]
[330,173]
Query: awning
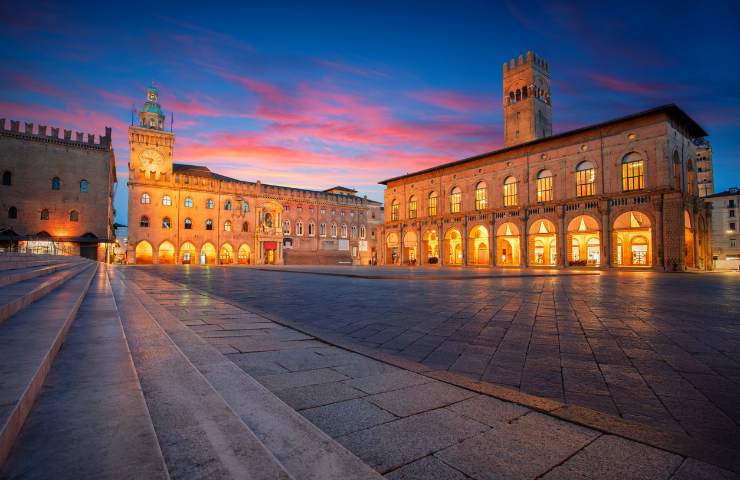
[270,245]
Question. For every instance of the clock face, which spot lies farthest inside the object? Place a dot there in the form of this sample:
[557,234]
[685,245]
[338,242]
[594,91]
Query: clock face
[150,158]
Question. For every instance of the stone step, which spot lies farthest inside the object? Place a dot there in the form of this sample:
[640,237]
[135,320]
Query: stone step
[29,341]
[199,433]
[14,261]
[90,420]
[303,449]
[16,297]
[8,277]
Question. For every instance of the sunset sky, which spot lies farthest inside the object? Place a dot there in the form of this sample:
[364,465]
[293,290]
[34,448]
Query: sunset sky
[315,94]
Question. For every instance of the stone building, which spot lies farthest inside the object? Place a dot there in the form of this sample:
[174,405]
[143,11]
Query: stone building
[705,171]
[621,193]
[56,194]
[187,214]
[725,248]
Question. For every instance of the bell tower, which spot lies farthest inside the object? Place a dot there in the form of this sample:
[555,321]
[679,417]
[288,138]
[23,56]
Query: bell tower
[150,145]
[527,108]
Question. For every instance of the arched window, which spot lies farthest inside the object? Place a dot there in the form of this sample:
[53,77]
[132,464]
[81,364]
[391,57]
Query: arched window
[166,200]
[363,232]
[166,223]
[510,194]
[189,202]
[74,216]
[227,205]
[84,185]
[633,172]
[481,196]
[44,214]
[322,230]
[299,228]
[245,227]
[311,229]
[245,207]
[432,204]
[334,230]
[144,221]
[12,212]
[353,234]
[188,224]
[518,95]
[412,206]
[227,226]
[209,224]
[456,200]
[512,99]
[146,199]
[56,184]
[585,179]
[343,231]
[7,178]
[544,186]
[394,210]
[209,203]
[286,227]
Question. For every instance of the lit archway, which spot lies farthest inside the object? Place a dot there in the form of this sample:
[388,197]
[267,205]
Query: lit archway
[584,241]
[453,247]
[410,247]
[478,247]
[143,252]
[632,240]
[508,245]
[188,254]
[542,243]
[207,254]
[227,254]
[244,254]
[166,253]
[430,245]
[392,256]
[689,238]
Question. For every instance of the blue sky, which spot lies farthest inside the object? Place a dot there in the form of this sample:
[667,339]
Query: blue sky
[315,94]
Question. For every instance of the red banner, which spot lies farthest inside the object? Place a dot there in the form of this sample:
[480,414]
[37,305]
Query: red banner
[270,245]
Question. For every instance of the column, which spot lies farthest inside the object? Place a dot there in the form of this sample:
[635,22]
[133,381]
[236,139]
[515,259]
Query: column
[400,245]
[492,242]
[465,242]
[562,239]
[419,247]
[524,242]
[606,236]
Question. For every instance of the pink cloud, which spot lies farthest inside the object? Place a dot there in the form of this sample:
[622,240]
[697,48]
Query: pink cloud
[457,102]
[625,86]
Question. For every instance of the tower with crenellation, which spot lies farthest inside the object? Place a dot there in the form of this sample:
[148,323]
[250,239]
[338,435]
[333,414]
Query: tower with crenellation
[527,107]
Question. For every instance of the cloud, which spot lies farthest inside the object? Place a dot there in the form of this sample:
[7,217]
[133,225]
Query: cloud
[627,86]
[456,101]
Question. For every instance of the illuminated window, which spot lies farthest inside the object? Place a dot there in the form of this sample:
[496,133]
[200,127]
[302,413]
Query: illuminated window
[56,184]
[394,211]
[12,212]
[227,226]
[166,200]
[585,179]
[510,193]
[166,223]
[209,203]
[432,204]
[544,186]
[84,185]
[144,221]
[481,196]
[286,227]
[412,207]
[363,232]
[227,205]
[74,216]
[633,176]
[188,224]
[456,200]
[146,199]
[44,214]
[189,202]
[209,224]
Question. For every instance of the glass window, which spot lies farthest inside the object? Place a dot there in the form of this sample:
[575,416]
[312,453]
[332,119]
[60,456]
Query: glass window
[299,228]
[456,200]
[144,221]
[510,193]
[432,204]
[354,232]
[84,185]
[227,226]
[286,227]
[344,231]
[166,200]
[146,199]
[12,212]
[188,202]
[209,224]
[56,184]
[481,196]
[44,214]
[394,211]
[209,203]
[188,224]
[412,207]
[322,230]
[363,232]
[74,216]
[7,178]
[334,230]
[311,229]
[227,205]
[245,207]
[585,179]
[544,186]
[166,223]
[632,172]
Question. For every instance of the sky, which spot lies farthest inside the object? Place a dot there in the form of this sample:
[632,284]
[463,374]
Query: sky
[317,94]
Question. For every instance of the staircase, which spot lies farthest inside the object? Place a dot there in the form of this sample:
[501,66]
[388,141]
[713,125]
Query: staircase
[96,382]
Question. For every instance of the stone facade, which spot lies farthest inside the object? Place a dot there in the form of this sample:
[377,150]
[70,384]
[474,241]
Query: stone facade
[621,193]
[725,224]
[187,214]
[705,170]
[56,194]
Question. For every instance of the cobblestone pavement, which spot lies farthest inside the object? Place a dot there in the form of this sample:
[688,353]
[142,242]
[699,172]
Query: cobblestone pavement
[662,349]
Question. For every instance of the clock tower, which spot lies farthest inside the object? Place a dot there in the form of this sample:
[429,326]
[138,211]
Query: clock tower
[150,145]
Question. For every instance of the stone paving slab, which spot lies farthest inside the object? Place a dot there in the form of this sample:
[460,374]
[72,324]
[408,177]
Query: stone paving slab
[349,416]
[419,398]
[427,468]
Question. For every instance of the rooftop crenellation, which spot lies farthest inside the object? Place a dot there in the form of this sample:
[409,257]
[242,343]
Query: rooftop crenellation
[52,134]
[522,60]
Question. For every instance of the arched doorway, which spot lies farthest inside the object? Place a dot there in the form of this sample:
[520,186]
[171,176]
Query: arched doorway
[688,240]
[542,243]
[453,247]
[143,252]
[244,254]
[207,254]
[478,248]
[632,240]
[188,254]
[584,239]
[166,253]
[227,254]
[410,246]
[392,256]
[508,245]
[431,247]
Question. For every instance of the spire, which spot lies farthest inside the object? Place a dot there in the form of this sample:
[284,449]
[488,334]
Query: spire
[152,116]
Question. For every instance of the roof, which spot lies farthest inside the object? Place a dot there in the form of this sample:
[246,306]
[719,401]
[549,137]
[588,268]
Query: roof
[340,188]
[732,191]
[671,109]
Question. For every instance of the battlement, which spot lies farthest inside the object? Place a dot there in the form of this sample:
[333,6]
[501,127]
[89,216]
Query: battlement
[52,135]
[525,60]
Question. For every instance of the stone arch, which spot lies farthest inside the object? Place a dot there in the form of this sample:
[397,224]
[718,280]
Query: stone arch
[478,246]
[584,241]
[166,253]
[508,245]
[227,254]
[453,247]
[632,244]
[244,254]
[392,246]
[207,254]
[143,252]
[188,254]
[430,246]
[542,243]
[410,247]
